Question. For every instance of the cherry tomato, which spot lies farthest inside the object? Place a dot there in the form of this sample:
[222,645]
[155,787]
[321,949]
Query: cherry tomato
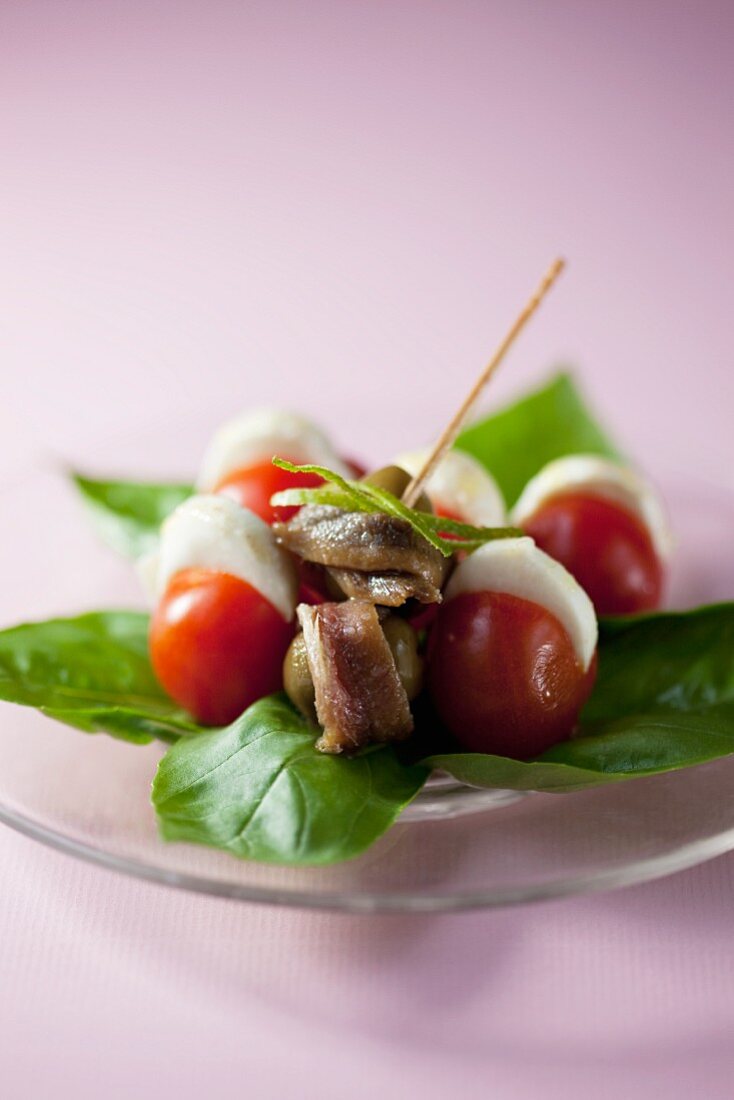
[504,675]
[253,486]
[217,644]
[605,546]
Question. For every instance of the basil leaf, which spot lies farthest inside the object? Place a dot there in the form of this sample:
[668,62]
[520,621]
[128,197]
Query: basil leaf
[360,496]
[128,514]
[91,672]
[517,442]
[259,790]
[671,660]
[663,700]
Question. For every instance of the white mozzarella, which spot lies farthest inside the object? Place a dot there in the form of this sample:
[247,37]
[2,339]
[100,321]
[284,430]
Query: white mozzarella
[260,435]
[214,532]
[603,478]
[518,568]
[461,485]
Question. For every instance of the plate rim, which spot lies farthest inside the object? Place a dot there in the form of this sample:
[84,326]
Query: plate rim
[649,869]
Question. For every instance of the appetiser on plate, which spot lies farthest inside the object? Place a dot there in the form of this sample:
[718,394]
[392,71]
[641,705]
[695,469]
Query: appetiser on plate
[322,639]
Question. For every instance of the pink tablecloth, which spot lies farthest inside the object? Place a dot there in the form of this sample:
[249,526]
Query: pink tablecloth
[210,204]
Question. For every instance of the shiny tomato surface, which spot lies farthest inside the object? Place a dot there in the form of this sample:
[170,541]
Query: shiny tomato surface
[504,675]
[253,486]
[217,644]
[607,549]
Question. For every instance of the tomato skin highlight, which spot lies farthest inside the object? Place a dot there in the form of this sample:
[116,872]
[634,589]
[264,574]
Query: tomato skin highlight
[605,547]
[504,675]
[253,486]
[217,645]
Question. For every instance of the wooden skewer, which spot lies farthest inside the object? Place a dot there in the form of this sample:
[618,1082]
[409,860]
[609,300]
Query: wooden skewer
[452,429]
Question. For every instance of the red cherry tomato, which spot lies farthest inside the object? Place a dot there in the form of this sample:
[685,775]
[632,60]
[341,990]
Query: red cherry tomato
[217,644]
[253,486]
[504,675]
[607,549]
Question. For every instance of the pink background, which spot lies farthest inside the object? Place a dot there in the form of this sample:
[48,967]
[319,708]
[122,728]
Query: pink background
[207,205]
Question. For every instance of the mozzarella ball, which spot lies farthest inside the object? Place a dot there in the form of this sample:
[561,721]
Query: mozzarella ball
[214,533]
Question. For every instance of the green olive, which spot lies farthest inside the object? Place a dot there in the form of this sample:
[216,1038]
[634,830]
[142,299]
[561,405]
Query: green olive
[297,679]
[403,642]
[396,480]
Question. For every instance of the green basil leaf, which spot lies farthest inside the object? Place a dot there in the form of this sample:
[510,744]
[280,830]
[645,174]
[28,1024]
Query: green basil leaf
[672,660]
[91,672]
[259,790]
[128,514]
[517,442]
[663,700]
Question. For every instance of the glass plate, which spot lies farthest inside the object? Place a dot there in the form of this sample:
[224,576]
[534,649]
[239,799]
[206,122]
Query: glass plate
[454,849]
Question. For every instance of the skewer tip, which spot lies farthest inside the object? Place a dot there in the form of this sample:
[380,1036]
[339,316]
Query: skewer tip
[452,429]
[557,267]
